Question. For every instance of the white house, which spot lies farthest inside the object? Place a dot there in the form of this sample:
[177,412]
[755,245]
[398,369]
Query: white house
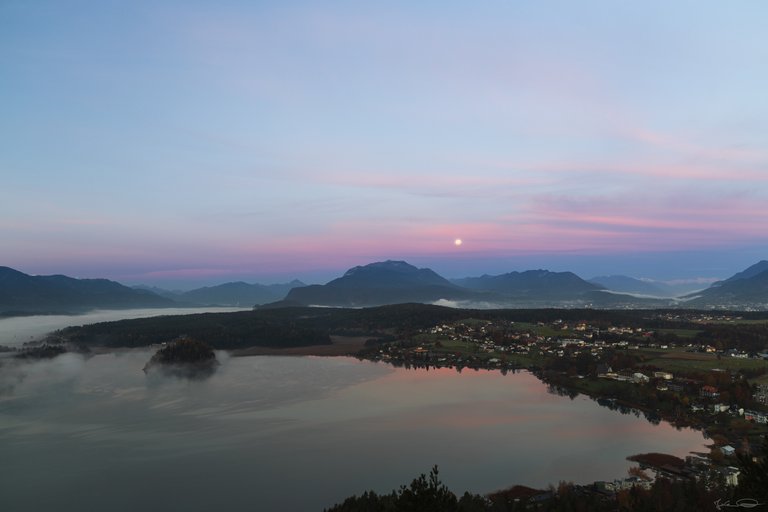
[731,475]
[639,378]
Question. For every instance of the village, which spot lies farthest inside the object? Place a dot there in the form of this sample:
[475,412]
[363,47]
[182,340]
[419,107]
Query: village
[722,391]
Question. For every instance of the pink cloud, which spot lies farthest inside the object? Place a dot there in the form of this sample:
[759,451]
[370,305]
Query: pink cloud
[708,152]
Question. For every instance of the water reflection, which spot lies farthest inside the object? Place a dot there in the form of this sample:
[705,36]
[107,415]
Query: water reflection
[98,434]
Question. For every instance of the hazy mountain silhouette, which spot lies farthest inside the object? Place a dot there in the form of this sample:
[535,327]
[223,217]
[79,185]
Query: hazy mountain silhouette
[20,292]
[380,283]
[533,284]
[392,282]
[239,294]
[168,294]
[752,271]
[746,288]
[386,282]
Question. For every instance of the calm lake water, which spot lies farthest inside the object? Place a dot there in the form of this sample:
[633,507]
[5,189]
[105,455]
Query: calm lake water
[292,433]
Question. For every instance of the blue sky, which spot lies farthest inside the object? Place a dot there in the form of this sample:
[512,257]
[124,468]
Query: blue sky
[181,142]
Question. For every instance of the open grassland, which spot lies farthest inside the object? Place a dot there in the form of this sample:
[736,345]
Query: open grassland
[740,321]
[456,347]
[681,333]
[675,360]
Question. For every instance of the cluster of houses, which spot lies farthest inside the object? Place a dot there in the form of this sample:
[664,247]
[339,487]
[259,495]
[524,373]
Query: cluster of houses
[605,372]
[761,395]
[484,335]
[493,340]
[695,467]
[522,342]
[756,416]
[664,382]
[623,485]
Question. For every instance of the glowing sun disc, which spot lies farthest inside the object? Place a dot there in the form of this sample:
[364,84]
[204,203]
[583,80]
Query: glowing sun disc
[457,242]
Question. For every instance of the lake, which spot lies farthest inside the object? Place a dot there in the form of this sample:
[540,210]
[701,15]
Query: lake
[292,433]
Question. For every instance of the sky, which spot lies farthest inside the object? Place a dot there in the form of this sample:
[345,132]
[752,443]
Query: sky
[198,142]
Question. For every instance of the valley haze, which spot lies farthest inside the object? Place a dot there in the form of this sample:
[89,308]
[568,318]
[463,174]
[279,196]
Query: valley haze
[389,282]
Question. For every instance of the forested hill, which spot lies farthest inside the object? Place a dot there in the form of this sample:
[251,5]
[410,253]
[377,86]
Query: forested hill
[22,293]
[284,327]
[304,326]
[220,330]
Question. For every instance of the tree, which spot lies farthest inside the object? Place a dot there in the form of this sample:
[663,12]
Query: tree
[426,495]
[753,479]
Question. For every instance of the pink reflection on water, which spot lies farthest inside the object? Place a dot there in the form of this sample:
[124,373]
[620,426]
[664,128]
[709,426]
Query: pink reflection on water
[486,403]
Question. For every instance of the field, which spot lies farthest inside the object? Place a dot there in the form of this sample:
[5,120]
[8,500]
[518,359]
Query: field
[678,360]
[682,333]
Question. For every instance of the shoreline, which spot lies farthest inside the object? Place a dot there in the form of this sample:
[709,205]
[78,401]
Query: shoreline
[340,346]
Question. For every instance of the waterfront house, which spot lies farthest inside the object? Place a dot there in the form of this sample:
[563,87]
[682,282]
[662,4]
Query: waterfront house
[756,416]
[730,475]
[603,370]
[761,395]
[677,387]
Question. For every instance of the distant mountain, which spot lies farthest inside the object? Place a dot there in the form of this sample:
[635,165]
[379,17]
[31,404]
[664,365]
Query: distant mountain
[20,292]
[754,270]
[168,294]
[239,294]
[744,289]
[532,284]
[625,284]
[386,282]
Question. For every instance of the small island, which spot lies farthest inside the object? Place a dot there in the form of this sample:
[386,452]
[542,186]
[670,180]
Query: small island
[184,357]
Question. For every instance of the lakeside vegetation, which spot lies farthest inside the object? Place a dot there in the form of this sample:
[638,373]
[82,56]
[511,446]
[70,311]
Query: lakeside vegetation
[184,357]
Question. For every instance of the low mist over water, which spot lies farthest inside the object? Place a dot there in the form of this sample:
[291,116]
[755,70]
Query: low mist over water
[17,330]
[301,433]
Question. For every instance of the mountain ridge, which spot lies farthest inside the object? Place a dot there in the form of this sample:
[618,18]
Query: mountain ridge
[751,271]
[20,292]
[239,293]
[541,283]
[379,283]
[382,283]
[746,288]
